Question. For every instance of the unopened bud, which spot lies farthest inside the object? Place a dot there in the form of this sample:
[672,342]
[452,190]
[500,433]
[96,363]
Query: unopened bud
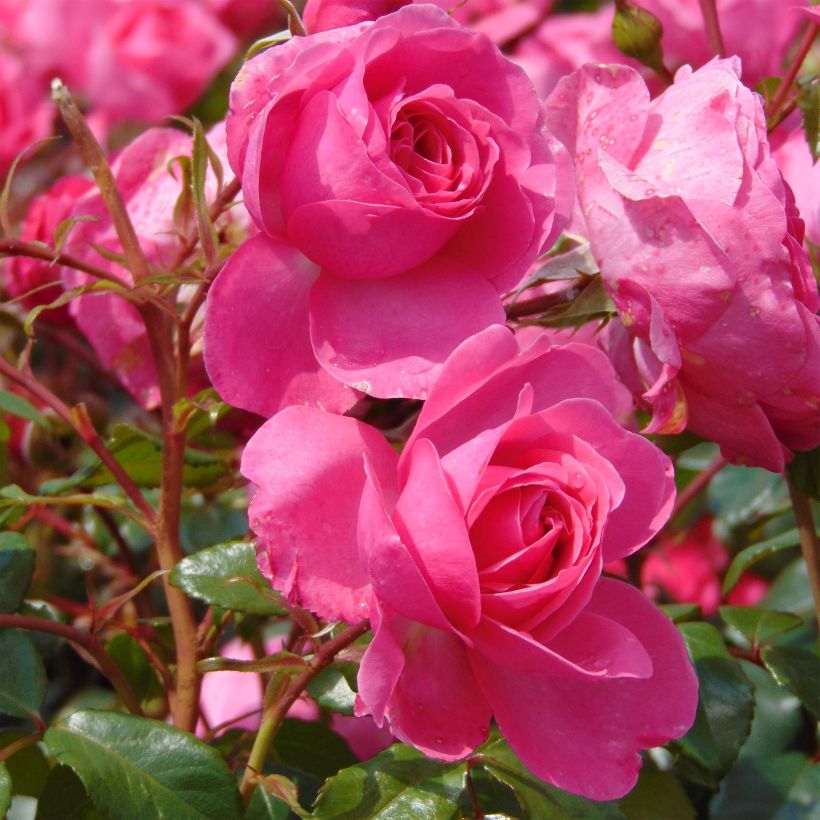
[637,33]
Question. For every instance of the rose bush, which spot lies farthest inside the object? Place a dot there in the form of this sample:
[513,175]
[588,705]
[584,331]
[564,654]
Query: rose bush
[477,555]
[402,181]
[699,243]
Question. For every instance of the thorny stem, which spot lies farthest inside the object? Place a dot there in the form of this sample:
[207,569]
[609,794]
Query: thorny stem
[809,543]
[16,247]
[275,712]
[159,329]
[711,24]
[785,86]
[77,418]
[85,641]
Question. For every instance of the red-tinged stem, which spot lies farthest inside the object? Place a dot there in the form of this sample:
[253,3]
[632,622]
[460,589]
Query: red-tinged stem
[18,745]
[809,543]
[697,485]
[784,88]
[539,304]
[275,712]
[16,247]
[85,641]
[711,24]
[77,418]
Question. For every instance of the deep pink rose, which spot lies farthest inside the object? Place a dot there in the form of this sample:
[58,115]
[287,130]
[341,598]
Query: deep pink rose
[26,277]
[247,17]
[699,243]
[151,191]
[690,570]
[500,20]
[402,181]
[153,58]
[25,116]
[477,555]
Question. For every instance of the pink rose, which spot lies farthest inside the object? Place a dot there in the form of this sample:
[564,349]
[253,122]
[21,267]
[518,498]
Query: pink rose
[477,555]
[402,182]
[690,570]
[500,20]
[110,323]
[140,67]
[698,241]
[247,17]
[26,277]
[25,116]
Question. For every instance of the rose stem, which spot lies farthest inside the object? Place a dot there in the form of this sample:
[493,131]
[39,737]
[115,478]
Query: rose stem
[808,541]
[794,67]
[86,641]
[699,483]
[160,331]
[16,247]
[712,26]
[275,712]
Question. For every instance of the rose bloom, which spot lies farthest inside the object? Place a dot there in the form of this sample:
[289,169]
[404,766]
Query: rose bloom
[477,556]
[140,68]
[699,243]
[500,20]
[27,277]
[690,569]
[402,181]
[151,191]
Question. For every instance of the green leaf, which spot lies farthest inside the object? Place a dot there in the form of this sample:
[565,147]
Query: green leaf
[63,230]
[264,806]
[134,663]
[740,495]
[135,767]
[790,591]
[398,784]
[657,794]
[22,675]
[808,101]
[680,613]
[798,670]
[28,767]
[22,408]
[140,454]
[757,552]
[758,625]
[724,715]
[332,691]
[779,787]
[64,798]
[227,576]
[311,747]
[5,790]
[199,176]
[539,800]
[804,472]
[16,568]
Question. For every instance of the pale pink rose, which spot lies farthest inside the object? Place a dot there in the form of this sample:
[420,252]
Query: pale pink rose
[25,116]
[153,58]
[477,556]
[248,17]
[690,570]
[402,181]
[760,32]
[26,277]
[150,190]
[698,241]
[500,20]
[791,152]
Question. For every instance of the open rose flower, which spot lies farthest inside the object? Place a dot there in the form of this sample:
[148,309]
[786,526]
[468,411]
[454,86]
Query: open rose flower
[699,243]
[477,555]
[401,179]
